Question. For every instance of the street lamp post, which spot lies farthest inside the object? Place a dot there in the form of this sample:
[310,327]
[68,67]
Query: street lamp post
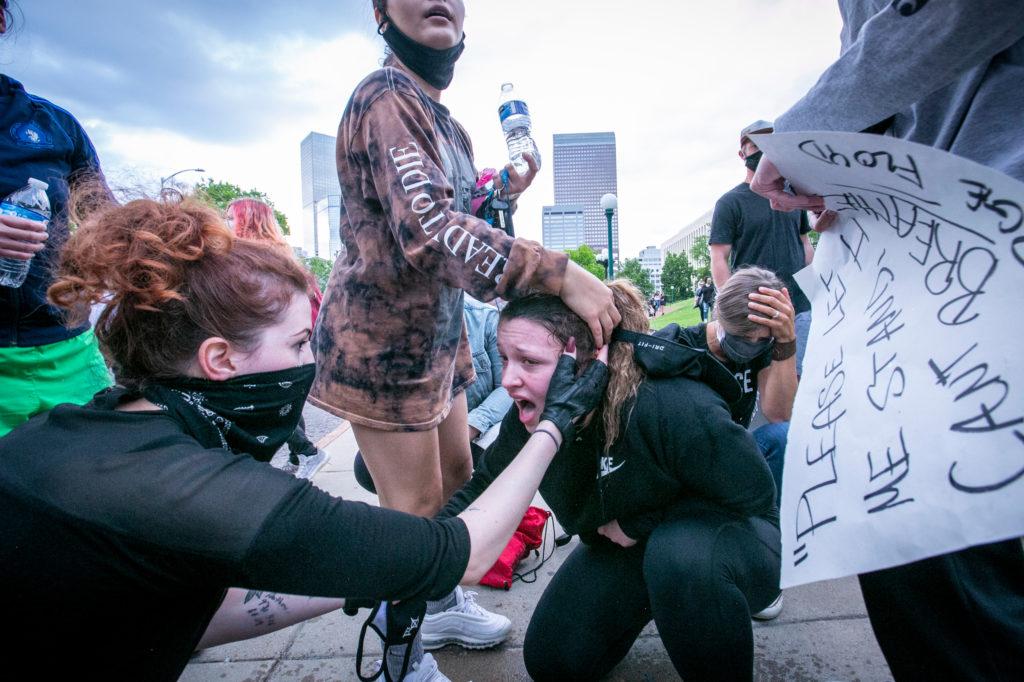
[609,202]
[163,181]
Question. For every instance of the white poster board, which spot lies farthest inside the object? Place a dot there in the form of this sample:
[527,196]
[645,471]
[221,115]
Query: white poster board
[907,437]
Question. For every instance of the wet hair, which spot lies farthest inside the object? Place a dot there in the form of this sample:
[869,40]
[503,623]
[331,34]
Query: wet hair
[255,219]
[731,307]
[171,275]
[625,374]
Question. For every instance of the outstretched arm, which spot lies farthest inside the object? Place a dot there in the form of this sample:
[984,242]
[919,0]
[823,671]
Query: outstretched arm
[245,614]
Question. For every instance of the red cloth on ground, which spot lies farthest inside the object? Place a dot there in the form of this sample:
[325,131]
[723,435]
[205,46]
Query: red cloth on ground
[528,537]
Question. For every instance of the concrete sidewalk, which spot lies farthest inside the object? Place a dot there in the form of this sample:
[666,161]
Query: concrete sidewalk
[822,634]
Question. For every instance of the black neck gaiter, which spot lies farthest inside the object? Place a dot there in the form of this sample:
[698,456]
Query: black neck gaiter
[436,67]
[252,414]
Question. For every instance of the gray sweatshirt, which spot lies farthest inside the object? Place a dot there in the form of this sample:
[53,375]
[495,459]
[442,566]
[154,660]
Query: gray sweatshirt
[945,73]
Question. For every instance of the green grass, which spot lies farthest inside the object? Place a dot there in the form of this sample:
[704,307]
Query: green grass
[681,312]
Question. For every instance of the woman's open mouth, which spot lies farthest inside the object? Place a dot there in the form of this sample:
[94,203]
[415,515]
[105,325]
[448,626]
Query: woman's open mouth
[528,411]
[439,11]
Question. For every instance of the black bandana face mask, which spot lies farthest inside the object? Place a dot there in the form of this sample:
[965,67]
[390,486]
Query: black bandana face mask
[252,414]
[752,160]
[659,356]
[739,349]
[436,67]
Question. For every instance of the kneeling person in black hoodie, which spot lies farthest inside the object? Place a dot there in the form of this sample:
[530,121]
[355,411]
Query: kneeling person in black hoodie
[672,500]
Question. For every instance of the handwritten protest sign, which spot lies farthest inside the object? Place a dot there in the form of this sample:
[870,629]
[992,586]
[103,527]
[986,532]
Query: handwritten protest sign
[907,438]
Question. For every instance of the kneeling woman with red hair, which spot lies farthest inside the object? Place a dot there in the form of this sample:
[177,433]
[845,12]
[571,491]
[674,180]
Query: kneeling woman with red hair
[125,521]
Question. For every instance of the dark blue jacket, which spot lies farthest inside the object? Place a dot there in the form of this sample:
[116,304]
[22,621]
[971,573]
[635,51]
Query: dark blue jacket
[40,140]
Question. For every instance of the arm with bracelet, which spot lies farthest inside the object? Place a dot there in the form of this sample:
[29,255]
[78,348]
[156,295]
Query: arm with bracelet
[777,382]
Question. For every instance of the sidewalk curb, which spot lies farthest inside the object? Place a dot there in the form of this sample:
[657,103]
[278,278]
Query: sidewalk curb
[334,435]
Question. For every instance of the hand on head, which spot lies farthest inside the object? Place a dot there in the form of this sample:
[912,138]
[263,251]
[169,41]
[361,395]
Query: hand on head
[774,309]
[591,299]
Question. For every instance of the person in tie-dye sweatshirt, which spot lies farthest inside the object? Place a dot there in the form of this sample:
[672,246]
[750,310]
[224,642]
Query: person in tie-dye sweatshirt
[392,354]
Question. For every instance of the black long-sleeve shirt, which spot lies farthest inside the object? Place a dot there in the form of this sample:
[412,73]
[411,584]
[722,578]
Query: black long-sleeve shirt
[121,533]
[680,446]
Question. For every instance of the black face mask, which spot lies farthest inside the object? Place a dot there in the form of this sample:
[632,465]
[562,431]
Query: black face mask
[436,67]
[252,414]
[752,160]
[659,355]
[739,349]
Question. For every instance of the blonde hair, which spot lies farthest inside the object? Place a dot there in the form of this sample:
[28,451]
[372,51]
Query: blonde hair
[625,375]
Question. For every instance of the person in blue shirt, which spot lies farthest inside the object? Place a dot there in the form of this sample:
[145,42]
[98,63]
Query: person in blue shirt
[487,399]
[42,362]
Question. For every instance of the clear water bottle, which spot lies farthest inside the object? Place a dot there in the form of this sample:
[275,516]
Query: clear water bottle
[515,123]
[29,202]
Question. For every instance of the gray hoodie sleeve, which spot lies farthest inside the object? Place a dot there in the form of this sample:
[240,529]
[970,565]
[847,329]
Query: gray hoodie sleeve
[894,60]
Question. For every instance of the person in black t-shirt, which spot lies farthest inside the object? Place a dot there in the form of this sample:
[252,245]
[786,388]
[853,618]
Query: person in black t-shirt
[125,521]
[746,231]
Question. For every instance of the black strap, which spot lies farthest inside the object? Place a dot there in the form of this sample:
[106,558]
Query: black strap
[402,623]
[530,576]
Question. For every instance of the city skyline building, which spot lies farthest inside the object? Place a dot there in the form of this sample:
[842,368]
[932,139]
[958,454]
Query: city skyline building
[683,240]
[584,168]
[652,261]
[563,227]
[321,197]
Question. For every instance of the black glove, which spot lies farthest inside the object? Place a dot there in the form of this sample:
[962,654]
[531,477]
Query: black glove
[570,397]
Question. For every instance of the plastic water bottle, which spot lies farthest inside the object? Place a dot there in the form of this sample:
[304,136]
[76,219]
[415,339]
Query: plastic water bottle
[29,202]
[515,123]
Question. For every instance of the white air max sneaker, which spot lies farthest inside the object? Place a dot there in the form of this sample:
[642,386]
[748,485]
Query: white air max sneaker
[310,464]
[467,624]
[424,670]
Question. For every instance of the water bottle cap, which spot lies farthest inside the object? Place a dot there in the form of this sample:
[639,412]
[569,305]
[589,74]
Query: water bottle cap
[38,183]
[505,87]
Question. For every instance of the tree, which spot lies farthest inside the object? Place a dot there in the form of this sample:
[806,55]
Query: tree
[321,269]
[635,273]
[700,257]
[677,277]
[220,194]
[585,258]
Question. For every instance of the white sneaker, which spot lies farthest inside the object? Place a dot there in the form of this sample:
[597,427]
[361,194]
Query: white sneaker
[467,624]
[288,467]
[771,611]
[310,464]
[424,670]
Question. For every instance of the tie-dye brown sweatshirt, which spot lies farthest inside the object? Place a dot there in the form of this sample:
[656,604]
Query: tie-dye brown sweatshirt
[390,344]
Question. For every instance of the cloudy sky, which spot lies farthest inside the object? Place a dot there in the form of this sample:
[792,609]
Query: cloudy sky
[233,86]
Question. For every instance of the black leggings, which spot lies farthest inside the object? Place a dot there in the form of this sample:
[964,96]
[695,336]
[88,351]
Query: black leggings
[698,576]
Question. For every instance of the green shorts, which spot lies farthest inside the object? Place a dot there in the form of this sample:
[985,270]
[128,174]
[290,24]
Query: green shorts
[37,378]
